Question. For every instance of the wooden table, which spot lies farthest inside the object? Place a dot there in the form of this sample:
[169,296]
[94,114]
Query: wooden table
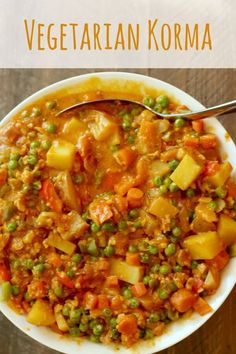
[218,335]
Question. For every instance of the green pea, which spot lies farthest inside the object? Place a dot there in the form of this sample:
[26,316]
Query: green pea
[115,334]
[122,225]
[51,104]
[78,178]
[221,192]
[144,258]
[94,339]
[172,286]
[39,268]
[148,334]
[146,279]
[12,226]
[173,187]
[46,144]
[190,193]
[28,263]
[194,264]
[74,331]
[154,317]
[173,164]
[16,263]
[75,315]
[155,268]
[83,327]
[94,227]
[134,213]
[179,122]
[158,108]
[108,226]
[109,251]
[51,128]
[12,164]
[152,249]
[70,273]
[85,216]
[157,181]
[126,125]
[113,322]
[176,231]
[134,303]
[76,258]
[114,148]
[133,249]
[130,139]
[32,160]
[93,323]
[66,311]
[36,111]
[98,329]
[148,101]
[27,296]
[162,293]
[163,189]
[135,111]
[37,185]
[164,269]
[137,224]
[177,268]
[167,181]
[152,283]
[163,101]
[92,248]
[15,290]
[58,291]
[212,205]
[127,293]
[15,156]
[34,144]
[170,250]
[107,312]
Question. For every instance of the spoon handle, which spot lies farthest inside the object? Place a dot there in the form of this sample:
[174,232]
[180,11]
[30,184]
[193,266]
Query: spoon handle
[225,108]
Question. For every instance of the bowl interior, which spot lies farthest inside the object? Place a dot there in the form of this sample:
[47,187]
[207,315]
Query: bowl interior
[137,85]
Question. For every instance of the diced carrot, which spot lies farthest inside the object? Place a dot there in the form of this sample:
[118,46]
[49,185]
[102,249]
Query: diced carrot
[148,137]
[198,126]
[132,258]
[3,176]
[65,280]
[142,169]
[102,264]
[49,194]
[121,203]
[231,186]
[125,157]
[90,301]
[5,274]
[208,141]
[220,261]
[110,179]
[202,307]
[54,259]
[128,325]
[191,141]
[103,301]
[124,185]
[134,197]
[112,281]
[210,168]
[117,302]
[183,300]
[100,211]
[139,289]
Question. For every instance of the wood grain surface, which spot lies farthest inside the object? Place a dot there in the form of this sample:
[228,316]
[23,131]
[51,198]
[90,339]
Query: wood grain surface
[218,335]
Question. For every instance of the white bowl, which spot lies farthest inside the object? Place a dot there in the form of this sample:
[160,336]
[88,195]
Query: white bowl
[176,331]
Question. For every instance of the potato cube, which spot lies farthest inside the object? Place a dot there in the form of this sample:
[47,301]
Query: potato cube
[41,314]
[158,168]
[126,272]
[220,177]
[101,125]
[72,130]
[62,245]
[162,207]
[204,245]
[61,155]
[186,172]
[212,279]
[227,229]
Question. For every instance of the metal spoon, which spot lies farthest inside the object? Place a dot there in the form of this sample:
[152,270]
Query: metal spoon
[203,113]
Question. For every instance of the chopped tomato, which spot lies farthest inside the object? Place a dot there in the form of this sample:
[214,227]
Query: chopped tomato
[128,325]
[139,289]
[220,261]
[191,141]
[5,274]
[65,280]
[198,126]
[183,300]
[49,194]
[202,307]
[208,141]
[100,211]
[133,258]
[54,259]
[90,301]
[103,301]
[210,168]
[112,281]
[3,176]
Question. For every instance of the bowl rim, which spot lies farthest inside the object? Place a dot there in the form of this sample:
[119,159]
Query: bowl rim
[42,335]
